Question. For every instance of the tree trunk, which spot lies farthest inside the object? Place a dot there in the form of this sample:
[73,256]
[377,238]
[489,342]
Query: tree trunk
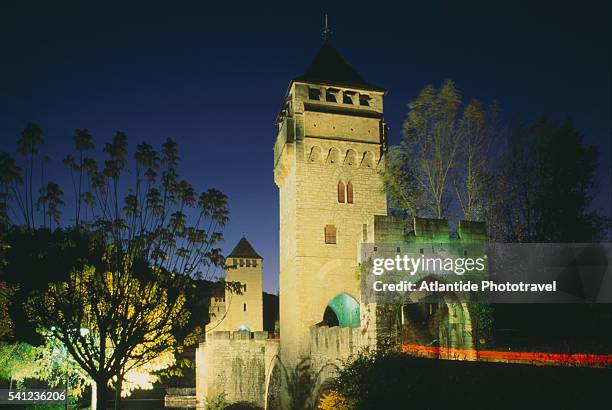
[101,394]
[118,386]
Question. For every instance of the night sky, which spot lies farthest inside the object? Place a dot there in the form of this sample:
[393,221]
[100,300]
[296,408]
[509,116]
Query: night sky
[213,78]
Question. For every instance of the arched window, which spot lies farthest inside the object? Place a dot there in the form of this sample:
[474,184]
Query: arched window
[368,160]
[341,192]
[349,193]
[244,307]
[315,154]
[333,156]
[351,157]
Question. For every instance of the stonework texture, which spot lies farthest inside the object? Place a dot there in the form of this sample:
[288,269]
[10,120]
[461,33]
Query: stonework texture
[322,147]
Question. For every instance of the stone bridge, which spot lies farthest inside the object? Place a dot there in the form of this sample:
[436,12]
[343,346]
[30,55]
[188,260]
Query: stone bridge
[247,367]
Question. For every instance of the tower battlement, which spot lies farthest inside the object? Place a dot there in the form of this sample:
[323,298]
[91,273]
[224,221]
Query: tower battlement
[390,229]
[237,335]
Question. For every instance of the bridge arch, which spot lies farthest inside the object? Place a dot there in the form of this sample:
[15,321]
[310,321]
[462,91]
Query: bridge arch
[275,384]
[438,319]
[323,382]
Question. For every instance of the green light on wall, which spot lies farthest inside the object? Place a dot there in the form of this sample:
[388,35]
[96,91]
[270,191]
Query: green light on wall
[346,309]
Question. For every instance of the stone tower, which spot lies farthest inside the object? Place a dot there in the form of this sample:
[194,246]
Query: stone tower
[232,311]
[330,147]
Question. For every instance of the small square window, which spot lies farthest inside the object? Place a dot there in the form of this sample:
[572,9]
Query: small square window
[314,94]
[330,95]
[330,234]
[364,100]
[347,98]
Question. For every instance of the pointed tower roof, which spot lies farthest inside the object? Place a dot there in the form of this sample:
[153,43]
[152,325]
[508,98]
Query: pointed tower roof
[244,250]
[330,68]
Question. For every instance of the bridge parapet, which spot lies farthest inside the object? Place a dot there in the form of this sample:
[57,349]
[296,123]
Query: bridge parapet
[335,342]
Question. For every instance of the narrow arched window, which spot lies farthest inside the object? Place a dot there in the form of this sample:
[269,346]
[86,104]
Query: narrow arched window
[349,193]
[244,307]
[341,193]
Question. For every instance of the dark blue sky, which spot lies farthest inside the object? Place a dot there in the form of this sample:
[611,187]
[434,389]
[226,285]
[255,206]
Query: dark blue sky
[213,78]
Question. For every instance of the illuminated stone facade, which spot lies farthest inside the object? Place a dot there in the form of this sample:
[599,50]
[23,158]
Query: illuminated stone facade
[232,311]
[328,155]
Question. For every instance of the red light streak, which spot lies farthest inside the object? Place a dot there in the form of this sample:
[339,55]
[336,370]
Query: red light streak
[537,358]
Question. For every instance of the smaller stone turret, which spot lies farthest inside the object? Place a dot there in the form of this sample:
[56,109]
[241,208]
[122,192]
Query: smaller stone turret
[232,311]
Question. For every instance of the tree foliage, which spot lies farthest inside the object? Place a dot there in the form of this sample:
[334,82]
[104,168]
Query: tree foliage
[7,290]
[149,233]
[442,159]
[545,186]
[112,323]
[17,361]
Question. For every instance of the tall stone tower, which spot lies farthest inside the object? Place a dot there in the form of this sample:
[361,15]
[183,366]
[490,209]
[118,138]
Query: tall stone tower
[231,311]
[330,147]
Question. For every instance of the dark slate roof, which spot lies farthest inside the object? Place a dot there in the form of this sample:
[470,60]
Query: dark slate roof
[329,67]
[244,250]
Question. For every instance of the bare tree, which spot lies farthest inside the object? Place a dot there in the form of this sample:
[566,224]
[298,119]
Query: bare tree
[471,174]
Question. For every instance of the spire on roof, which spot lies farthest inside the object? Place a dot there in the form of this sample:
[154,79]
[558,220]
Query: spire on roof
[244,249]
[329,67]
[326,31]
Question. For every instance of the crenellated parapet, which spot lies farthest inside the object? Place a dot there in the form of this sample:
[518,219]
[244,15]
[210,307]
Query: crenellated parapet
[391,229]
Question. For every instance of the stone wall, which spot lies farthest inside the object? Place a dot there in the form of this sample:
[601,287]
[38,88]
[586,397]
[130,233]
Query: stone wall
[334,143]
[233,363]
[329,346]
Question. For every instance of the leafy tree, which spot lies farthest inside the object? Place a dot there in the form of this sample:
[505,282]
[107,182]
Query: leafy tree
[27,147]
[441,162]
[49,202]
[18,204]
[128,322]
[471,175]
[333,400]
[143,376]
[7,290]
[546,186]
[79,165]
[38,257]
[10,180]
[148,234]
[17,362]
[58,369]
[6,324]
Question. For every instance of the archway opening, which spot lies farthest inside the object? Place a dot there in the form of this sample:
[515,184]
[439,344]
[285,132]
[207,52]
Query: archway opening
[421,322]
[343,311]
[436,319]
[329,318]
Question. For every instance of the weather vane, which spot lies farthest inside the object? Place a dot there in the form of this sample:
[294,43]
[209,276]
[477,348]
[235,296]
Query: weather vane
[326,31]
